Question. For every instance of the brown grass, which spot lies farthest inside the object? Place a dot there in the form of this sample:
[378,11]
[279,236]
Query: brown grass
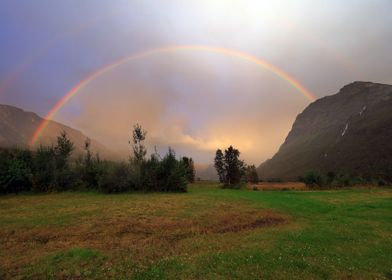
[278,186]
[145,237]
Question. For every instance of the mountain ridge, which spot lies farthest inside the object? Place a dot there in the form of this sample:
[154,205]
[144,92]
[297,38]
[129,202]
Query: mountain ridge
[342,133]
[17,127]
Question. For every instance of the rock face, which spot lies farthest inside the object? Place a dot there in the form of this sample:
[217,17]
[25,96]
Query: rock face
[349,132]
[17,127]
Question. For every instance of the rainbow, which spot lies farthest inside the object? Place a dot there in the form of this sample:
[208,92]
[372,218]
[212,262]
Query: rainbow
[233,53]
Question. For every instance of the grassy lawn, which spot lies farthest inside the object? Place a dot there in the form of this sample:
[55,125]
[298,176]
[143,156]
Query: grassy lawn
[207,233]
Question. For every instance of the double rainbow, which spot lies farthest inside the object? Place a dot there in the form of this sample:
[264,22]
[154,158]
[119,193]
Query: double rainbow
[233,53]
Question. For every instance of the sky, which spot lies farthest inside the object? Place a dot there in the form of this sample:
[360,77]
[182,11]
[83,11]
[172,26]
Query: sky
[193,100]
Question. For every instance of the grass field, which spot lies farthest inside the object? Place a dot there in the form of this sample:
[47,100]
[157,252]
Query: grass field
[207,233]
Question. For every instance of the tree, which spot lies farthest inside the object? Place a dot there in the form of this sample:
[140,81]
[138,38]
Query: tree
[44,169]
[172,174]
[229,167]
[251,174]
[15,170]
[91,168]
[220,165]
[63,150]
[190,169]
[138,136]
[234,166]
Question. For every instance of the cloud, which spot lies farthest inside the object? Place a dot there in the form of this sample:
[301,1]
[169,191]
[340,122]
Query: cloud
[186,104]
[194,102]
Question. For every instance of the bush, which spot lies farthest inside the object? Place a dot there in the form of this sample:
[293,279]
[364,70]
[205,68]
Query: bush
[314,179]
[115,178]
[88,172]
[251,174]
[15,171]
[43,169]
[172,175]
[333,180]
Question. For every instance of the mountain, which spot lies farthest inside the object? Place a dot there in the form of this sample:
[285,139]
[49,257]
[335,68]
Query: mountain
[349,132]
[206,172]
[17,127]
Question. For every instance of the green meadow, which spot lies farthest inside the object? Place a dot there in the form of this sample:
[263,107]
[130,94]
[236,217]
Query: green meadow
[207,233]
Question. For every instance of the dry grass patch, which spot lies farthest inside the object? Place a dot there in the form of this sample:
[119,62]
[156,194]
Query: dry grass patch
[278,186]
[143,237]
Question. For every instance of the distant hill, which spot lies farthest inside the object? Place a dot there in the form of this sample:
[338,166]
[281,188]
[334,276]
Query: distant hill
[206,172]
[349,132]
[17,126]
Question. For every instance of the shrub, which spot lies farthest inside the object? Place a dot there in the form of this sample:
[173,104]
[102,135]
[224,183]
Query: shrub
[50,169]
[44,169]
[88,169]
[251,174]
[314,179]
[190,169]
[15,171]
[115,178]
[171,174]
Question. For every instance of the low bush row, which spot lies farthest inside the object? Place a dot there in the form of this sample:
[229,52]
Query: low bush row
[314,179]
[51,169]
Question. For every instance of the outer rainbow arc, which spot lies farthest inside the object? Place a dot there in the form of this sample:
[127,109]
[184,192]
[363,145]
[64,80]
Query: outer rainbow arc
[297,85]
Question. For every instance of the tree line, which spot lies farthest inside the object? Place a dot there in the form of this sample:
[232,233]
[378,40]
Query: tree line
[51,168]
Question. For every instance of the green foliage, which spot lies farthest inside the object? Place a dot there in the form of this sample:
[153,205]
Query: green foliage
[15,171]
[220,165]
[89,169]
[172,174]
[139,150]
[51,169]
[314,179]
[229,167]
[44,168]
[251,174]
[62,151]
[166,175]
[115,178]
[190,169]
[333,180]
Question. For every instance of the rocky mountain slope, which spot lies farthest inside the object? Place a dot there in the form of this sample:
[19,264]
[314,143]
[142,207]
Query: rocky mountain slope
[349,132]
[17,126]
